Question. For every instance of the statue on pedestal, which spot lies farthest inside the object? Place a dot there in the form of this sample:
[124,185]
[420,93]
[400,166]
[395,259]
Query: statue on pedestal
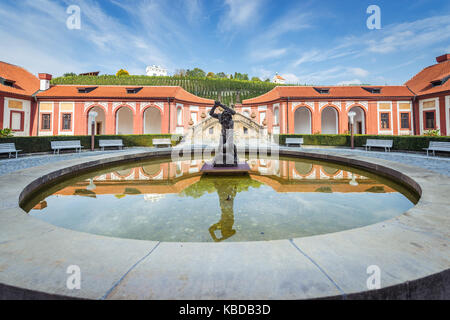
[226,155]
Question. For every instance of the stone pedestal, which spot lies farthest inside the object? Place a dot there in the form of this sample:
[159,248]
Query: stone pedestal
[240,169]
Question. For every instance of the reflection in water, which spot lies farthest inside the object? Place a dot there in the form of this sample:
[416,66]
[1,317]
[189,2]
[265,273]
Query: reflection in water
[226,193]
[172,201]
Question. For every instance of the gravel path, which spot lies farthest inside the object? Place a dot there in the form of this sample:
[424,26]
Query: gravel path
[436,164]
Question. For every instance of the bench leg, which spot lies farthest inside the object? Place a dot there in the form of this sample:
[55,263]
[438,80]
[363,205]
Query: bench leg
[16,154]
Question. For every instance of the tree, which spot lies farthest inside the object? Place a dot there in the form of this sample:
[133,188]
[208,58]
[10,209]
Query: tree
[180,73]
[122,73]
[267,80]
[196,73]
[70,74]
[210,75]
[240,76]
[256,79]
[221,75]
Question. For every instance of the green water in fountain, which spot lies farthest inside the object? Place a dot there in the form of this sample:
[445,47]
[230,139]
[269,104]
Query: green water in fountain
[171,201]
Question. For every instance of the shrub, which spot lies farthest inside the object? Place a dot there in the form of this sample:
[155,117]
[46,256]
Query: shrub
[6,133]
[407,143]
[432,133]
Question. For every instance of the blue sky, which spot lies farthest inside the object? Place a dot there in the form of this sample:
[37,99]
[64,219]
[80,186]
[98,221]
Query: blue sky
[315,42]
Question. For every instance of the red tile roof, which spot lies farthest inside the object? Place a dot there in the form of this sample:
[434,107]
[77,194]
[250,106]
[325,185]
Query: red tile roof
[336,92]
[420,84]
[25,83]
[120,92]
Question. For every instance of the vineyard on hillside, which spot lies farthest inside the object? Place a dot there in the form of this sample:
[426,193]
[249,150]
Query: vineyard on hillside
[229,91]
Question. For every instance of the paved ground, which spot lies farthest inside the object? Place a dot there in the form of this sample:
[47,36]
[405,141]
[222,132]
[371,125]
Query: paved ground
[437,164]
[11,165]
[411,250]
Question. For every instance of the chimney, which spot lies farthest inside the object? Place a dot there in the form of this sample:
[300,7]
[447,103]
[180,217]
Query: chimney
[443,58]
[45,81]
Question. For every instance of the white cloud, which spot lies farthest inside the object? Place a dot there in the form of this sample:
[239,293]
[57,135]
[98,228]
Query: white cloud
[262,73]
[42,43]
[268,54]
[359,72]
[393,38]
[240,13]
[349,82]
[291,78]
[193,9]
[266,45]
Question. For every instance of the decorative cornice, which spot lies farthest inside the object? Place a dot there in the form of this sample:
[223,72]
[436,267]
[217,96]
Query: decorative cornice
[118,104]
[309,104]
[148,104]
[87,105]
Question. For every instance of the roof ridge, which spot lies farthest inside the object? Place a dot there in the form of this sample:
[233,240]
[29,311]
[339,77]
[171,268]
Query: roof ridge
[113,86]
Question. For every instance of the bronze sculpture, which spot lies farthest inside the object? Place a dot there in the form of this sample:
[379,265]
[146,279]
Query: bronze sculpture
[226,155]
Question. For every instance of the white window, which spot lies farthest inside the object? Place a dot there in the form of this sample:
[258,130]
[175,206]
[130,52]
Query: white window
[262,117]
[16,121]
[276,115]
[179,117]
[194,117]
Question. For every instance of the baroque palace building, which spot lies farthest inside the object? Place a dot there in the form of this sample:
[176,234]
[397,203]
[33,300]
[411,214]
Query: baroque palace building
[31,106]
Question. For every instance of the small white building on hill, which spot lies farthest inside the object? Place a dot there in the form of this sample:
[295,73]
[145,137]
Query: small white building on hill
[156,71]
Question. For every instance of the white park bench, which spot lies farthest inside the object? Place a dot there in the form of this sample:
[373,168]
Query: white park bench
[69,144]
[162,142]
[111,143]
[377,143]
[438,146]
[8,148]
[294,141]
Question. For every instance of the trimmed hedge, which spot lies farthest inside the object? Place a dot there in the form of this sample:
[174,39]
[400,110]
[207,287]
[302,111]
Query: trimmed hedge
[408,143]
[42,144]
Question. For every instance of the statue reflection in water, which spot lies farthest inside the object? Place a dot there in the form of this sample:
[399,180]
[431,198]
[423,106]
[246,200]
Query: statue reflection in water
[227,192]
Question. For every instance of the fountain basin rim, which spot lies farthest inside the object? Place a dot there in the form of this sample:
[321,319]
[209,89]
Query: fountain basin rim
[422,223]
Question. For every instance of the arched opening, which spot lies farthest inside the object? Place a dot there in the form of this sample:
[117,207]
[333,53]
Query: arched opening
[302,121]
[329,121]
[124,121]
[179,117]
[359,126]
[303,168]
[331,171]
[125,173]
[100,121]
[276,116]
[152,170]
[152,121]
